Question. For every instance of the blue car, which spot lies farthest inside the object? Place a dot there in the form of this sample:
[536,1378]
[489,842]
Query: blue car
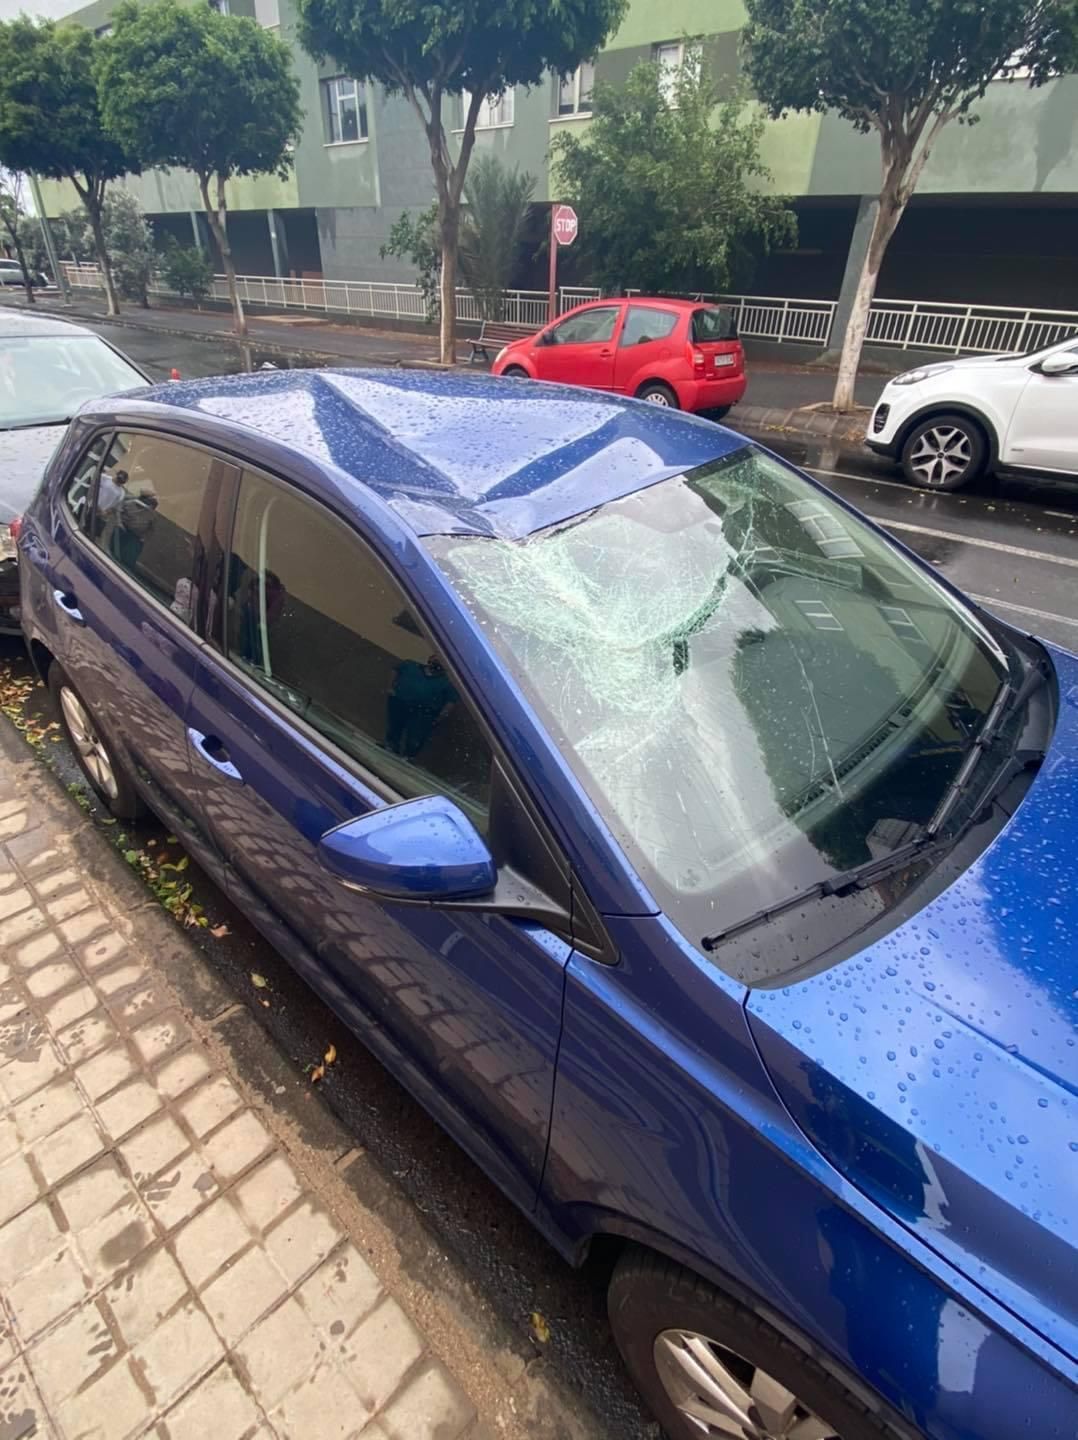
[700,858]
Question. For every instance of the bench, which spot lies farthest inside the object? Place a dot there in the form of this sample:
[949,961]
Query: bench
[493,335]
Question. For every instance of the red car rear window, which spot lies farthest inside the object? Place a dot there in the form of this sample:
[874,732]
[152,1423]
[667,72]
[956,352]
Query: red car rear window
[713,324]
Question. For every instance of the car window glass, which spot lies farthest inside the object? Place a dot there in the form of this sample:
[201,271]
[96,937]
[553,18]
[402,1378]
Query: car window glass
[712,325]
[643,323]
[150,495]
[78,492]
[45,378]
[590,325]
[314,617]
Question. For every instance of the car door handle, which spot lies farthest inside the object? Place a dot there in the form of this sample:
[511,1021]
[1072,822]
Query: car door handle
[605,354]
[211,750]
[66,602]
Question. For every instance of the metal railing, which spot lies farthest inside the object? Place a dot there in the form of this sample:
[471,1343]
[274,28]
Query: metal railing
[903,324]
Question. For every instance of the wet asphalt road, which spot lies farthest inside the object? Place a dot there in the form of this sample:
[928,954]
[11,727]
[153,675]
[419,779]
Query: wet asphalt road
[1011,543]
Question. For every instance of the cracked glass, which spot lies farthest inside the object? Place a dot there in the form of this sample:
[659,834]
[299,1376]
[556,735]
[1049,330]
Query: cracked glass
[756,690]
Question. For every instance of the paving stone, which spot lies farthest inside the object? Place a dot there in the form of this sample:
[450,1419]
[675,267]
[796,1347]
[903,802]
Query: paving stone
[268,1192]
[279,1352]
[118,1238]
[128,1107]
[64,906]
[210,1105]
[66,1357]
[181,1072]
[102,950]
[165,1033]
[12,901]
[26,1239]
[243,1293]
[340,1293]
[9,1137]
[139,1004]
[145,1293]
[123,977]
[108,1069]
[324,1404]
[7,1348]
[210,1240]
[28,1072]
[82,926]
[233,1148]
[50,979]
[68,1149]
[22,1415]
[70,1007]
[41,1295]
[303,1238]
[27,922]
[112,1408]
[40,1114]
[13,824]
[33,952]
[57,881]
[99,1189]
[430,1407]
[178,1352]
[86,1037]
[218,1407]
[157,1144]
[180,1190]
[380,1353]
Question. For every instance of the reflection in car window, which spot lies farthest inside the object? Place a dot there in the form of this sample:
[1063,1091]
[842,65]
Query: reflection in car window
[314,618]
[754,688]
[590,325]
[643,323]
[150,495]
[78,492]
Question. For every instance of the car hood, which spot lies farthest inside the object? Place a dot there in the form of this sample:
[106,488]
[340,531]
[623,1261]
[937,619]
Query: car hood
[938,1069]
[24,455]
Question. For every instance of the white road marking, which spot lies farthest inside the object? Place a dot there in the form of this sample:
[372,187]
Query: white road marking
[1061,514]
[976,540]
[864,479]
[994,603]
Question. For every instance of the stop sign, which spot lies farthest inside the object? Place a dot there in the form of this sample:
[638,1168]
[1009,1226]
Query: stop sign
[565,224]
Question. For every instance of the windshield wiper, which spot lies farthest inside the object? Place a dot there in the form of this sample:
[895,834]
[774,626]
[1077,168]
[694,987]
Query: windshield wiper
[924,843]
[37,424]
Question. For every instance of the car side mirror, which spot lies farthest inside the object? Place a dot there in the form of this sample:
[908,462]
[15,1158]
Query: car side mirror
[1065,364]
[423,850]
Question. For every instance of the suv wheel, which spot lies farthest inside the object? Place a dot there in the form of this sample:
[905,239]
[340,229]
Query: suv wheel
[94,754]
[710,1367]
[944,452]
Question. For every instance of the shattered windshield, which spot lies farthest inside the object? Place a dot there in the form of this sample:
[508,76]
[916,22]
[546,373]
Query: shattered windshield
[756,691]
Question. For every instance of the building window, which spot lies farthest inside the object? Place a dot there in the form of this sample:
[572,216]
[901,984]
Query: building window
[102,31]
[574,91]
[221,6]
[268,13]
[670,56]
[495,110]
[344,110]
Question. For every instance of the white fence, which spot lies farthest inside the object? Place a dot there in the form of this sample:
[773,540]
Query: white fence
[903,324]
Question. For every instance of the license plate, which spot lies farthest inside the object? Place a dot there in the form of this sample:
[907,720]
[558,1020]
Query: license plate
[721,360]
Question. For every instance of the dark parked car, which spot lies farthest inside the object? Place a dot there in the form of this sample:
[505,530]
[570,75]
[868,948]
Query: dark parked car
[695,853]
[48,368]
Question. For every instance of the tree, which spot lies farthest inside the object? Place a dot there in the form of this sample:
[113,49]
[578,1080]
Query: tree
[129,241]
[51,122]
[12,217]
[431,51]
[491,229]
[904,69]
[183,85]
[71,238]
[416,239]
[185,269]
[672,187]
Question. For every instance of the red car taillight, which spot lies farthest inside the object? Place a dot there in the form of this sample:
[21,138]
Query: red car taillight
[175,374]
[15,527]
[696,358]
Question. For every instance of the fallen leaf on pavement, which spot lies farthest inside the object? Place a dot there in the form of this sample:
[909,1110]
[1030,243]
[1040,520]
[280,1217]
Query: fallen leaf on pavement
[220,931]
[258,981]
[540,1329]
[318,1073]
[330,1055]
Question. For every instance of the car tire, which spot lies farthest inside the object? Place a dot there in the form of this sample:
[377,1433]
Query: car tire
[944,452]
[687,1344]
[95,756]
[656,393]
[515,372]
[720,412]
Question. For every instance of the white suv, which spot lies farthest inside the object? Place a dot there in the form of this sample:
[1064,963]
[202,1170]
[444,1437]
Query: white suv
[947,423]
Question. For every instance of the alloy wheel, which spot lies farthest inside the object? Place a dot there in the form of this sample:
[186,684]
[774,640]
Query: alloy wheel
[721,1394]
[942,453]
[86,741]
[657,397]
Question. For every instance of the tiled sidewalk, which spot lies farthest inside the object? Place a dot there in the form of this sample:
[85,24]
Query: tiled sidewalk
[164,1268]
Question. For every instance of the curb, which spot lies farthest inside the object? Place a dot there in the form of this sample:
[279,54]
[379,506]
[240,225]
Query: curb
[802,421]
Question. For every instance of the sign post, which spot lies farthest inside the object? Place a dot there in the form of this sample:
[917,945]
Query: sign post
[563,230]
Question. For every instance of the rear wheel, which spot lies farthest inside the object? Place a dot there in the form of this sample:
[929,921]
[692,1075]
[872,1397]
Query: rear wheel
[656,393]
[944,452]
[710,1367]
[95,756]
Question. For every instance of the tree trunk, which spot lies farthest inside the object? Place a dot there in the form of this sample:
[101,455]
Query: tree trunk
[20,256]
[92,204]
[450,236]
[892,208]
[218,219]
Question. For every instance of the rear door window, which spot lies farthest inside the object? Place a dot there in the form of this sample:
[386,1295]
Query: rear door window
[711,325]
[644,323]
[79,490]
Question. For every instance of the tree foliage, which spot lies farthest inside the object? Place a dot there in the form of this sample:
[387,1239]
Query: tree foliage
[187,270]
[431,50]
[903,69]
[50,119]
[129,241]
[492,227]
[415,238]
[183,85]
[70,235]
[669,188]
[12,219]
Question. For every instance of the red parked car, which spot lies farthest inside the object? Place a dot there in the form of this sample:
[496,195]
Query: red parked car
[671,352]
